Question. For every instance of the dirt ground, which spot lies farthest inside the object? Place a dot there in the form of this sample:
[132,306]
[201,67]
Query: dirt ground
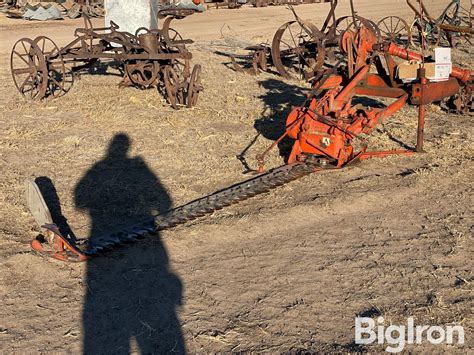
[285,271]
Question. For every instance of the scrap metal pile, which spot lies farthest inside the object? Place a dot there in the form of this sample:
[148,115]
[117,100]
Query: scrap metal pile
[149,59]
[53,9]
[328,131]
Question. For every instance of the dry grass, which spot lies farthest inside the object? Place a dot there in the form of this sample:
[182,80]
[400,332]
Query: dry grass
[393,234]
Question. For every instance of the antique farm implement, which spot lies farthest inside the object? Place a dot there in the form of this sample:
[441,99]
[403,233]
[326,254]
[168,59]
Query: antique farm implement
[325,128]
[452,26]
[148,59]
[299,49]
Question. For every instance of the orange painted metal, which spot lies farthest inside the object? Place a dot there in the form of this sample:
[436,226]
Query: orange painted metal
[463,75]
[379,91]
[332,82]
[342,97]
[329,124]
[396,51]
[62,249]
[426,93]
[420,132]
[330,121]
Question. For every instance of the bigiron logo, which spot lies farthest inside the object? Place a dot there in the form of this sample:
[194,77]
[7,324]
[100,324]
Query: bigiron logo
[397,336]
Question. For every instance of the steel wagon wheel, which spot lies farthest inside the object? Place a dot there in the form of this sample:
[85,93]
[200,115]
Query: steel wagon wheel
[297,52]
[362,21]
[143,73]
[60,77]
[194,86]
[29,69]
[174,35]
[451,13]
[460,20]
[396,30]
[466,16]
[342,24]
[173,87]
[430,34]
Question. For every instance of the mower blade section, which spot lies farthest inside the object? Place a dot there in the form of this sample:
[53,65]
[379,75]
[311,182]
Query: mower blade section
[52,243]
[37,205]
[198,208]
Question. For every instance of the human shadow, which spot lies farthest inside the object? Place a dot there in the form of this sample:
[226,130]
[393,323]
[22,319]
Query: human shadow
[132,294]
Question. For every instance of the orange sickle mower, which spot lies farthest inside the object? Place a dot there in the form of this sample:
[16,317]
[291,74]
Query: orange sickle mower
[327,124]
[324,129]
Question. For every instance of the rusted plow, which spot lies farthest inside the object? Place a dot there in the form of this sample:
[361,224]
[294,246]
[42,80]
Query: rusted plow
[149,59]
[324,130]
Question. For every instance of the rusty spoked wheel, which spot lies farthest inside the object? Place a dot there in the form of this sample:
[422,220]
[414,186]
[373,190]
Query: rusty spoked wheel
[342,24]
[194,86]
[297,51]
[143,73]
[462,20]
[456,15]
[29,69]
[169,34]
[174,87]
[369,24]
[428,35]
[465,16]
[396,30]
[60,77]
[182,68]
[174,35]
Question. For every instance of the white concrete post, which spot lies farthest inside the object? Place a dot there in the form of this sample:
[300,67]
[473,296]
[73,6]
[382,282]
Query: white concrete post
[131,14]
